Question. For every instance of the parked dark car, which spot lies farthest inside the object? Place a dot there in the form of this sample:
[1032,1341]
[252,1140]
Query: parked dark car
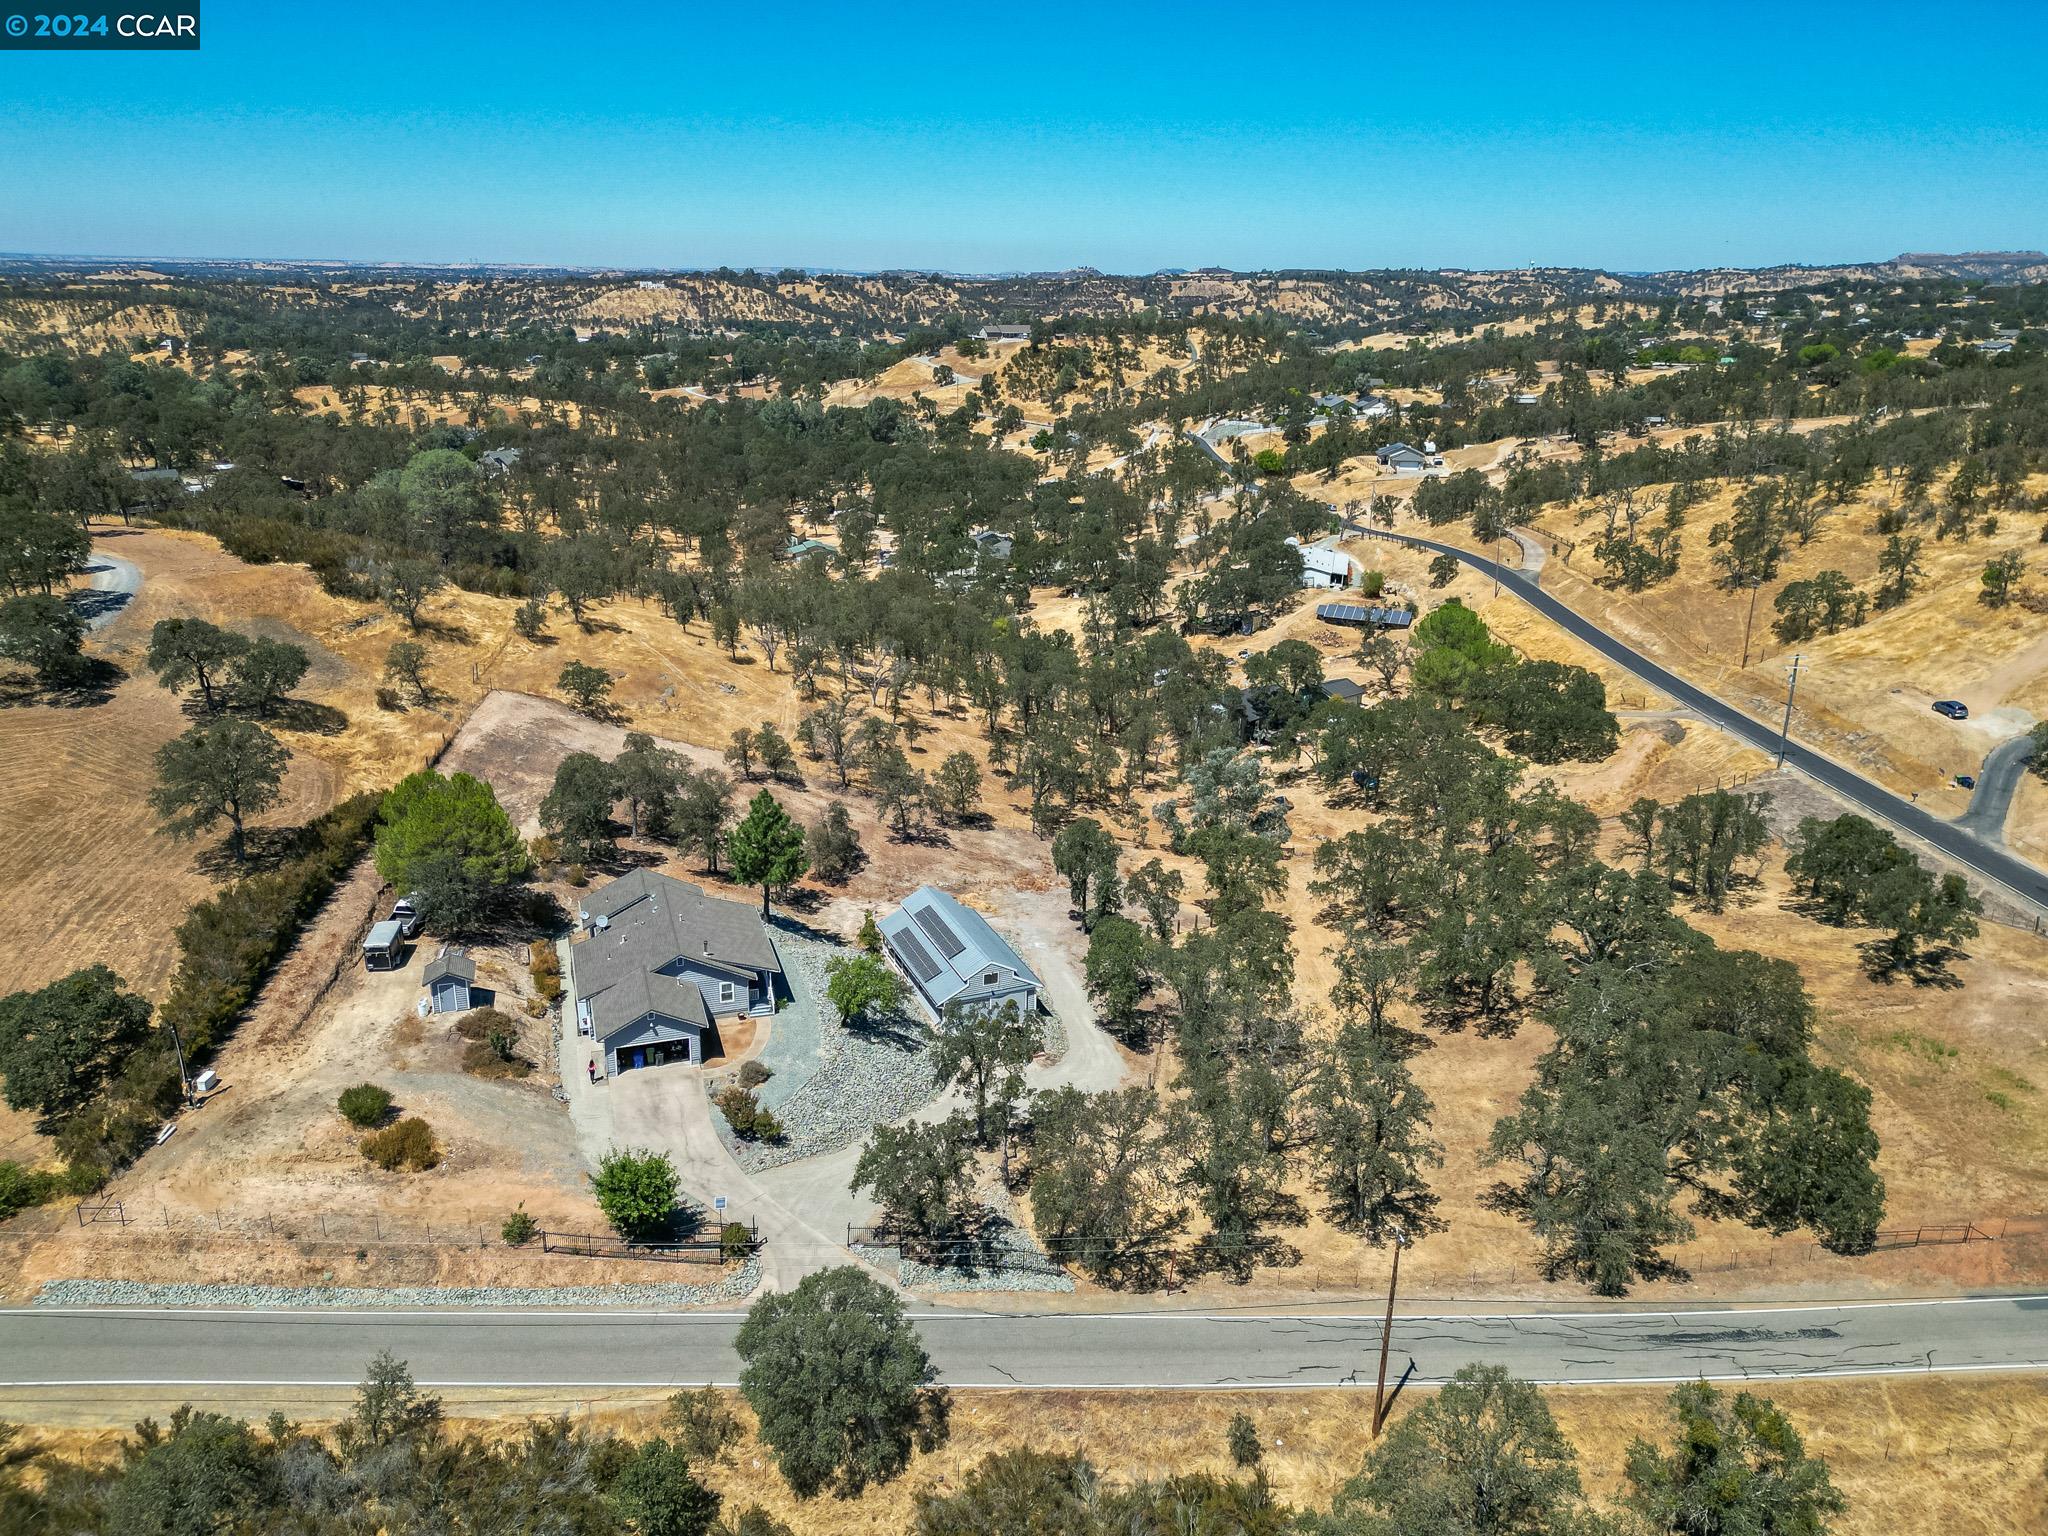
[1955,709]
[1966,781]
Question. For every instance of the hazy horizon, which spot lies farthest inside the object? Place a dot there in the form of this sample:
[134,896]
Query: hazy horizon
[1129,139]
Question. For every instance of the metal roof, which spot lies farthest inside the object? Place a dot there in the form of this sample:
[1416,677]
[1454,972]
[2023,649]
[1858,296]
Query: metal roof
[384,935]
[946,946]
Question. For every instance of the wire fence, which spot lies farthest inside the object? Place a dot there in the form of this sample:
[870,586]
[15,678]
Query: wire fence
[713,1250]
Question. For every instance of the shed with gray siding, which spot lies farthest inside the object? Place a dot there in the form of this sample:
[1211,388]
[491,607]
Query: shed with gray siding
[448,979]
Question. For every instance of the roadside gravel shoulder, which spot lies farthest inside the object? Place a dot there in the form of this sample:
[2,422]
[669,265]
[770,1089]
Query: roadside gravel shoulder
[734,1286]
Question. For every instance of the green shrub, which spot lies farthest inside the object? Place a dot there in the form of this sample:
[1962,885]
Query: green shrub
[364,1105]
[482,1023]
[754,1073]
[519,1228]
[22,1187]
[495,1058]
[743,1112]
[637,1193]
[228,945]
[85,1177]
[735,1240]
[409,1144]
[546,969]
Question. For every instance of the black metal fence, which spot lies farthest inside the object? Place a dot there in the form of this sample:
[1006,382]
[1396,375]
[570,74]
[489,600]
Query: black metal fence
[604,1245]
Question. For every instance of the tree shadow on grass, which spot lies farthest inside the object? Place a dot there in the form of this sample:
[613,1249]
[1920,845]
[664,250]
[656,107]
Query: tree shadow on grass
[263,849]
[1929,967]
[454,631]
[315,719]
[90,684]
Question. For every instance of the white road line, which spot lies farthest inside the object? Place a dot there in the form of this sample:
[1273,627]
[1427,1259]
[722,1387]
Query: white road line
[669,1383]
[490,1314]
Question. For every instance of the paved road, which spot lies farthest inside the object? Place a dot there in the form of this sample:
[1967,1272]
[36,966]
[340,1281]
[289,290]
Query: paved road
[1996,782]
[47,1350]
[1951,838]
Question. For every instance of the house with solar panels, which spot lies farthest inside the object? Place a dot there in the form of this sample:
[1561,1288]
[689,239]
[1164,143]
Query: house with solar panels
[952,958]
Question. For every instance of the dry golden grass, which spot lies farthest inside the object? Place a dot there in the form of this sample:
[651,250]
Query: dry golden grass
[1913,1455]
[410,405]
[1864,692]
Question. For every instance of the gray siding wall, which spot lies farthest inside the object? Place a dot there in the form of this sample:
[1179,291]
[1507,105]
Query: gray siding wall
[709,978]
[651,1029]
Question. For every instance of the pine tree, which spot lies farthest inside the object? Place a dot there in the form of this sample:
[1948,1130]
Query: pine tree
[767,848]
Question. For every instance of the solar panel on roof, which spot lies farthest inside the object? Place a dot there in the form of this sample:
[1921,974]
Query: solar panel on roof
[940,934]
[915,955]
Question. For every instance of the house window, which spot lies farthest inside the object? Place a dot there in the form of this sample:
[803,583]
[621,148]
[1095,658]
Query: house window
[989,980]
[725,991]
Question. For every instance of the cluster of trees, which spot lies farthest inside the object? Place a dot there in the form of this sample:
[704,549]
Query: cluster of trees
[1850,870]
[842,1395]
[1549,711]
[81,1054]
[692,808]
[1679,1071]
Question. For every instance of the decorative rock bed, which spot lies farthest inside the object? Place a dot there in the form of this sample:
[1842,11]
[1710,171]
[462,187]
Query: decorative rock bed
[734,1286]
[832,1085]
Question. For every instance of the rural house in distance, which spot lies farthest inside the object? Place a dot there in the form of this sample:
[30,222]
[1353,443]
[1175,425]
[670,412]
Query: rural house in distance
[660,963]
[951,956]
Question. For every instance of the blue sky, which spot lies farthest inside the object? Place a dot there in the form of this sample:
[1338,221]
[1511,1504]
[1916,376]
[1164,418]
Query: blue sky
[982,138]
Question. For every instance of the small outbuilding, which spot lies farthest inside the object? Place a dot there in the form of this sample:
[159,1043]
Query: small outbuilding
[1343,690]
[953,959]
[449,977]
[1322,567]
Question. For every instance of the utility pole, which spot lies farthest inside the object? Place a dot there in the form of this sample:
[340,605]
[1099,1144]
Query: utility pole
[1755,586]
[1785,730]
[178,1048]
[1379,1396]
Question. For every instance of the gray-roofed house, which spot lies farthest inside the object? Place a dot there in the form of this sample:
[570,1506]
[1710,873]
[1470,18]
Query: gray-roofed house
[993,543]
[498,461]
[1004,333]
[447,980]
[953,958]
[1343,690]
[1403,458]
[660,963]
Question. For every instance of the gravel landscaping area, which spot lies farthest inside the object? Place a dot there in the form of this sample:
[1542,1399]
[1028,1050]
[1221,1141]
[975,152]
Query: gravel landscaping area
[1053,1035]
[1004,1258]
[734,1286]
[832,1084]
